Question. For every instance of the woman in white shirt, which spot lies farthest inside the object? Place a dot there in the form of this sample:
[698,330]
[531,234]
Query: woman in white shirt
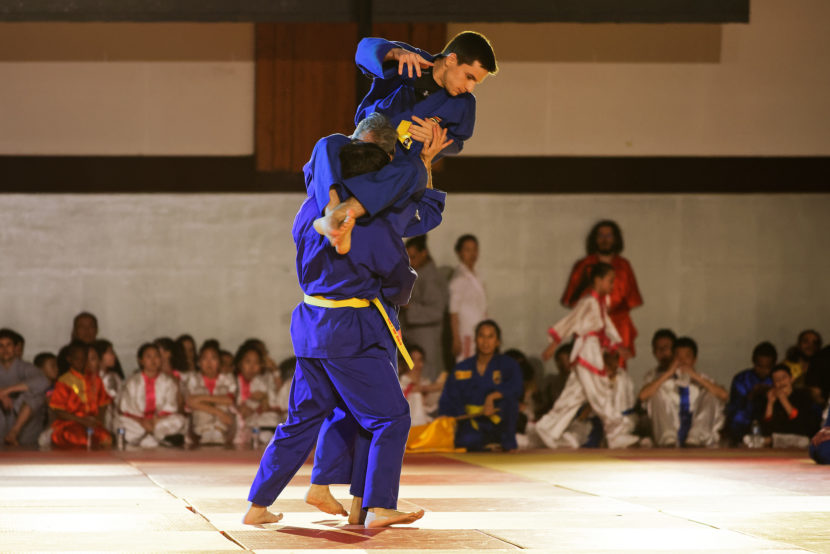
[468,298]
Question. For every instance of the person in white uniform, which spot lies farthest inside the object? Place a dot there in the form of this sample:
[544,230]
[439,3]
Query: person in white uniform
[148,404]
[588,382]
[210,395]
[685,406]
[468,298]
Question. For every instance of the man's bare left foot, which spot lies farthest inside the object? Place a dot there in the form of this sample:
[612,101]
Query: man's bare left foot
[357,515]
[259,515]
[384,517]
[320,497]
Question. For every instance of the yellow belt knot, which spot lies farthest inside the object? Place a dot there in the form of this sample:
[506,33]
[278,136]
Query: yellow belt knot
[474,410]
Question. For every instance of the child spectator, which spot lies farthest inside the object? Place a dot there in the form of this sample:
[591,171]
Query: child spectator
[412,383]
[251,398]
[148,405]
[188,348]
[685,406]
[79,400]
[799,356]
[588,382]
[113,377]
[746,386]
[788,416]
[210,396]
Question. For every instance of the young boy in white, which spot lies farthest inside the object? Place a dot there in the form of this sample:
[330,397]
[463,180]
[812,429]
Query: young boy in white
[588,381]
[252,399]
[148,406]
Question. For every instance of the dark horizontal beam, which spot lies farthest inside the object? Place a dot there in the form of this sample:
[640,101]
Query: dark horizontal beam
[461,11]
[465,174]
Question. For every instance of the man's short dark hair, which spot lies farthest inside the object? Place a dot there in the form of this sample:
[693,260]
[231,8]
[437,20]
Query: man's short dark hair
[782,367]
[663,334]
[419,243]
[591,241]
[764,350]
[462,239]
[470,47]
[358,158]
[16,338]
[83,315]
[686,342]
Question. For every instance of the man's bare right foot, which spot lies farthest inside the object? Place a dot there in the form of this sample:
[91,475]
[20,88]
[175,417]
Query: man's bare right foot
[259,515]
[320,497]
[384,517]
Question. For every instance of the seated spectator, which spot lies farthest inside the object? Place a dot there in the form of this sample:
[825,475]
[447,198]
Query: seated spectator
[786,412]
[268,363]
[255,424]
[799,356]
[413,382]
[553,385]
[48,364]
[483,393]
[210,396]
[188,348]
[22,394]
[746,386]
[79,400]
[279,387]
[85,330]
[684,405]
[817,379]
[174,365]
[113,377]
[530,390]
[148,405]
[19,344]
[226,362]
[820,443]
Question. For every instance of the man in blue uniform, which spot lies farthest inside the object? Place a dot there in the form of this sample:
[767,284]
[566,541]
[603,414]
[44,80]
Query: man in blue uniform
[344,352]
[416,91]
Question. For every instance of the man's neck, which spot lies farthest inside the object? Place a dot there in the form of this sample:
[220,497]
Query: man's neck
[439,70]
[606,258]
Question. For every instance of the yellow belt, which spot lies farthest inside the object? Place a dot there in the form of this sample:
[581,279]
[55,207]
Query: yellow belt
[322,302]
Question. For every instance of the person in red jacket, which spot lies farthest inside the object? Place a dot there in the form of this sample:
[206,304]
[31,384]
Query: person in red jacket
[605,244]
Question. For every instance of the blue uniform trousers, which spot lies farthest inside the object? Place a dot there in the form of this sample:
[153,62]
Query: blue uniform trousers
[368,388]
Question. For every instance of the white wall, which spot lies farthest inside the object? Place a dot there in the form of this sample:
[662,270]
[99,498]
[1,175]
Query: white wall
[655,90]
[728,270]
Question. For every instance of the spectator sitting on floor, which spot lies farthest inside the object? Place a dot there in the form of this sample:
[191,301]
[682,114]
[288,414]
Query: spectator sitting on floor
[553,385]
[210,396]
[226,362]
[79,400]
[820,444]
[684,405]
[148,405]
[112,376]
[817,379]
[799,355]
[279,387]
[19,344]
[530,390]
[48,364]
[483,392]
[255,425]
[413,382]
[746,386]
[788,415]
[22,394]
[188,348]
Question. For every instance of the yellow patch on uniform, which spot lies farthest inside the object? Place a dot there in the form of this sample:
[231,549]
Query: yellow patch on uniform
[497,377]
[403,134]
[461,374]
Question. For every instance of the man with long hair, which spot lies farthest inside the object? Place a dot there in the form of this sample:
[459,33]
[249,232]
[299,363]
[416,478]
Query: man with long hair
[605,244]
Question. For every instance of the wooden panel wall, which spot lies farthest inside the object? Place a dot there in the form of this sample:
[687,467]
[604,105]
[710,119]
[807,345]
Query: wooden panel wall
[305,84]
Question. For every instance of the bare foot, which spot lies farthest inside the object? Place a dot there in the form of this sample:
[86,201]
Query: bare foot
[320,497]
[337,228]
[344,243]
[257,515]
[357,515]
[384,517]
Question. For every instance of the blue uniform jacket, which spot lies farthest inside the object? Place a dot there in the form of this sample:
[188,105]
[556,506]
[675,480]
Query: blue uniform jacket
[739,410]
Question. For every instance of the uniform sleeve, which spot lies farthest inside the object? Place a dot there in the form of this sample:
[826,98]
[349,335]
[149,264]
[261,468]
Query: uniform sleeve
[371,52]
[512,385]
[131,400]
[168,403]
[451,402]
[391,186]
[461,131]
[432,303]
[430,213]
[60,397]
[612,333]
[323,169]
[584,318]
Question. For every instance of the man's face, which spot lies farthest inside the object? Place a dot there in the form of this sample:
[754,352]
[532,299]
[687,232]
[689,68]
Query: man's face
[663,351]
[468,254]
[685,357]
[808,344]
[487,341]
[7,354]
[782,381]
[461,78]
[605,240]
[762,365]
[416,257]
[85,330]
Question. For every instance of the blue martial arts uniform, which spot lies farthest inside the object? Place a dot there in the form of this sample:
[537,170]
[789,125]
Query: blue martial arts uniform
[464,393]
[820,444]
[739,410]
[392,95]
[344,355]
